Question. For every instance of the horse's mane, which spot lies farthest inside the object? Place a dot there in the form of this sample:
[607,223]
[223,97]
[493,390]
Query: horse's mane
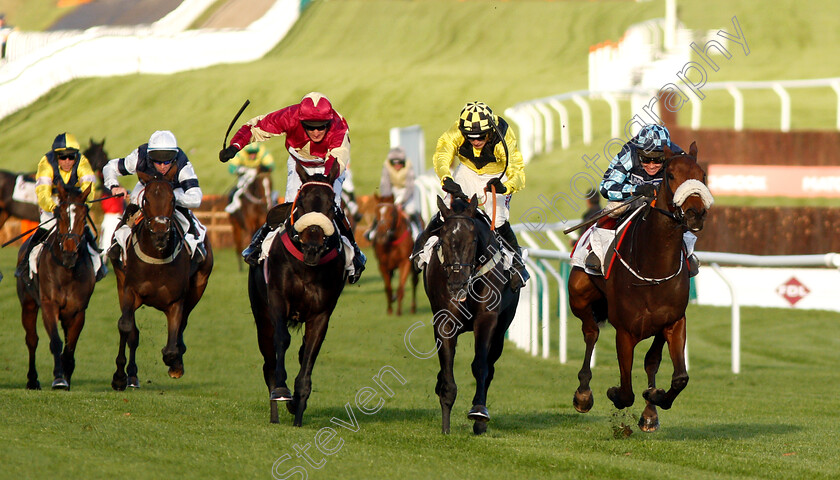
[482,223]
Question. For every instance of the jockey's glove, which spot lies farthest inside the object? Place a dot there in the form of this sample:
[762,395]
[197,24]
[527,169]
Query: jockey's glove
[449,186]
[645,190]
[500,187]
[228,153]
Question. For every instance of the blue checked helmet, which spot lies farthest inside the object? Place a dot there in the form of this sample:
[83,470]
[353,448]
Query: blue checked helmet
[652,138]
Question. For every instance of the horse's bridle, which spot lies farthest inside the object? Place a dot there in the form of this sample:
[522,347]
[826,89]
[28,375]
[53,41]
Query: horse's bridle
[294,235]
[63,237]
[455,267]
[390,234]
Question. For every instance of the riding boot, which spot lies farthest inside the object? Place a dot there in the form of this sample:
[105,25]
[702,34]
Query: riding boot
[693,265]
[359,259]
[91,239]
[519,275]
[252,253]
[431,229]
[22,270]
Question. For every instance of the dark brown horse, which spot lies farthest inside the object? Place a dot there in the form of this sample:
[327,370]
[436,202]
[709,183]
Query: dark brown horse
[645,292]
[299,283]
[255,201]
[157,271]
[468,291]
[61,289]
[392,244]
[96,155]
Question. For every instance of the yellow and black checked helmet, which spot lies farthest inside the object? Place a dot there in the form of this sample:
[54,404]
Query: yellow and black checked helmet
[475,120]
[65,141]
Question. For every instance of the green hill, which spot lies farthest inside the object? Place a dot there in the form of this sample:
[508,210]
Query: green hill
[392,63]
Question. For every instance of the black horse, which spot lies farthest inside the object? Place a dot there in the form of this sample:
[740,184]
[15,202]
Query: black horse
[468,291]
[299,283]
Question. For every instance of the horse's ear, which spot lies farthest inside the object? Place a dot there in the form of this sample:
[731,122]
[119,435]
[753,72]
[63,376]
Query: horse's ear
[473,206]
[335,171]
[87,191]
[170,174]
[692,150]
[668,152]
[144,177]
[377,198]
[444,210]
[304,177]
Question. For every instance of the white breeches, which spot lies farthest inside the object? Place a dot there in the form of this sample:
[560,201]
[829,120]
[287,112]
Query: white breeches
[473,184]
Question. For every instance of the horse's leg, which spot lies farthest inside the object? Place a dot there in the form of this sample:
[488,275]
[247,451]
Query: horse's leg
[649,421]
[446,388]
[497,344]
[127,327]
[582,296]
[675,335]
[72,330]
[403,269]
[29,318]
[313,336]
[49,315]
[386,277]
[171,354]
[484,325]
[280,391]
[414,280]
[622,396]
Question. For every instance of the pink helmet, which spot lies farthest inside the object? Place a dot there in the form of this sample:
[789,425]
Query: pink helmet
[315,109]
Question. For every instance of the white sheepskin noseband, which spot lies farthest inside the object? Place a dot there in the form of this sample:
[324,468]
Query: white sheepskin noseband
[691,187]
[315,218]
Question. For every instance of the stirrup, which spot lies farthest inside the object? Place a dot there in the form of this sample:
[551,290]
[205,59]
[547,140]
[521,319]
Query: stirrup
[693,265]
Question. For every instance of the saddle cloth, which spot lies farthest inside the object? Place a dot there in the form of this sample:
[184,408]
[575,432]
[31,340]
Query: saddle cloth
[24,191]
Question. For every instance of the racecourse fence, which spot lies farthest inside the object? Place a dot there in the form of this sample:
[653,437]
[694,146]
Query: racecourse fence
[39,61]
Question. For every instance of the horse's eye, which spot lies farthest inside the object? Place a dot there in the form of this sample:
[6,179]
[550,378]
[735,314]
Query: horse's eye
[670,176]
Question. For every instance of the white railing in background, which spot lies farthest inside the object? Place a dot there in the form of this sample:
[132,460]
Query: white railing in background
[163,49]
[535,119]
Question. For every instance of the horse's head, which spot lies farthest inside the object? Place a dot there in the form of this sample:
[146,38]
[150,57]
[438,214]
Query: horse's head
[71,215]
[313,214]
[458,244]
[96,155]
[387,217]
[684,189]
[158,206]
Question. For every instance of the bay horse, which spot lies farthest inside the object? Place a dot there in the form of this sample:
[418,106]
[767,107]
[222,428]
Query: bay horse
[468,291]
[255,202]
[157,271]
[298,284]
[61,288]
[392,244]
[645,291]
[97,156]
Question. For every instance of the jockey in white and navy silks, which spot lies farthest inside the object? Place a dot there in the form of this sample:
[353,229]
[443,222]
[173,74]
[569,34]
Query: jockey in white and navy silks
[637,170]
[626,172]
[157,157]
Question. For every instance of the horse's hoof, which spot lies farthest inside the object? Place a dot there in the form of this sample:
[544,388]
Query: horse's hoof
[583,401]
[60,384]
[613,393]
[35,385]
[281,394]
[176,371]
[655,396]
[119,382]
[133,382]
[649,424]
[479,413]
[479,428]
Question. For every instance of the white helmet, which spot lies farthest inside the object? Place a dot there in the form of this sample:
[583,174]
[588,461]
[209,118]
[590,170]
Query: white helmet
[162,140]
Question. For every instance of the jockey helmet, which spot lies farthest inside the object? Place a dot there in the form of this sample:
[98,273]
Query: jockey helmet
[396,155]
[476,120]
[652,138]
[162,146]
[162,140]
[252,148]
[315,110]
[65,142]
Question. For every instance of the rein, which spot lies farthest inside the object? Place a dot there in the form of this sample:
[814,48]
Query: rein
[146,223]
